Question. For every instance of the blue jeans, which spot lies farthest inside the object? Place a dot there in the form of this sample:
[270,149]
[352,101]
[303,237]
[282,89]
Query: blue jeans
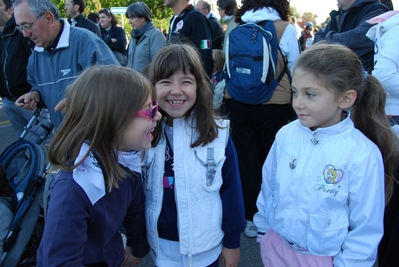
[19,117]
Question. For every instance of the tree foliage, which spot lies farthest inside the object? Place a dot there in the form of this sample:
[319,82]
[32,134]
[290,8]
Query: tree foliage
[161,14]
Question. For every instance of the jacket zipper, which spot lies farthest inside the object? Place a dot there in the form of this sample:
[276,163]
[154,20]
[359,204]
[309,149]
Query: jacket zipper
[5,73]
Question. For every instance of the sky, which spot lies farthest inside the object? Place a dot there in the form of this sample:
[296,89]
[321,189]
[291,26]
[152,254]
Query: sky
[322,7]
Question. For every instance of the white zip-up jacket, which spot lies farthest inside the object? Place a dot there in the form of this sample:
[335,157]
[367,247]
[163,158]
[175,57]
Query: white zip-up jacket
[198,201]
[386,60]
[323,190]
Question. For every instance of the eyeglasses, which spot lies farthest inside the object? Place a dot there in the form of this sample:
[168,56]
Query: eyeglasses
[28,27]
[151,112]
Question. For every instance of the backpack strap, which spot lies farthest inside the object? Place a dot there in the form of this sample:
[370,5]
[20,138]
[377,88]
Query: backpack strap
[280,26]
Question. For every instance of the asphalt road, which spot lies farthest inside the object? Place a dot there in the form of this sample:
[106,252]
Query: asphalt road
[249,248]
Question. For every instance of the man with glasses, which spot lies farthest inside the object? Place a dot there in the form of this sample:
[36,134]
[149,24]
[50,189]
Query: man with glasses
[14,54]
[74,10]
[217,31]
[62,52]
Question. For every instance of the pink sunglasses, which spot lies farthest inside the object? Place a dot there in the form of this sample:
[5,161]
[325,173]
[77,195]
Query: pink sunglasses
[149,113]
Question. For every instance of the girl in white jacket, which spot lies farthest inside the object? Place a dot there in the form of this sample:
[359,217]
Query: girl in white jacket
[322,196]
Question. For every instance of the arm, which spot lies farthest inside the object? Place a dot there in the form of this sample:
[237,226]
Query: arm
[387,66]
[289,46]
[63,245]
[366,211]
[233,207]
[134,224]
[356,38]
[201,30]
[218,95]
[93,51]
[267,187]
[29,100]
[156,43]
[118,39]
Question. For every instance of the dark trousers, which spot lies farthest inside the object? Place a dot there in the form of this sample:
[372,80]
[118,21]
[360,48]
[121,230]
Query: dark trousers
[253,129]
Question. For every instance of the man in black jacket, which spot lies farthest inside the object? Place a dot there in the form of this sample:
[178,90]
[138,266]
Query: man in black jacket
[74,10]
[15,50]
[189,26]
[217,31]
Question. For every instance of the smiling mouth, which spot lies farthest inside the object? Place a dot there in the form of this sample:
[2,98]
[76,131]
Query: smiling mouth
[176,102]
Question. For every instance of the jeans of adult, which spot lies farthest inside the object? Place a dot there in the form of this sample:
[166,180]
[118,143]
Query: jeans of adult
[253,129]
[19,117]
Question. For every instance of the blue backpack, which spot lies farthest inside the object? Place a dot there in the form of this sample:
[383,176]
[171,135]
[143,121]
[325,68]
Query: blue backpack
[251,60]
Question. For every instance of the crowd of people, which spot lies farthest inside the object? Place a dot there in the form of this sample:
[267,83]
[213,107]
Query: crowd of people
[148,141]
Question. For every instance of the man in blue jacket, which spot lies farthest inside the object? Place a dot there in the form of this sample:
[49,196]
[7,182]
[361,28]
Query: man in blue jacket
[62,52]
[348,26]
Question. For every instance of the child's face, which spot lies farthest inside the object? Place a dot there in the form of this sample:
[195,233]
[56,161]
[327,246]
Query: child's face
[176,95]
[138,133]
[315,106]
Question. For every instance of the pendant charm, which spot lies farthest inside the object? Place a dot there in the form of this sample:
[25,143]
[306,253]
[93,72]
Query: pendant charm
[292,163]
[314,141]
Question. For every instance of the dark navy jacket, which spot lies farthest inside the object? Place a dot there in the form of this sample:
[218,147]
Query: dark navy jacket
[349,28]
[15,51]
[82,22]
[191,27]
[78,233]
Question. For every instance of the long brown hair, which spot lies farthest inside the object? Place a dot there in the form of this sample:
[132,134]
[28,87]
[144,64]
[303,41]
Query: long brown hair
[100,103]
[339,69]
[168,61]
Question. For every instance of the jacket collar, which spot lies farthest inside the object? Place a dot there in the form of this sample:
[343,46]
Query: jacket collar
[10,29]
[63,42]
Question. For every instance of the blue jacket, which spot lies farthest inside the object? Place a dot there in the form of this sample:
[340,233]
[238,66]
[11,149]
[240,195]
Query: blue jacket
[349,28]
[78,233]
[50,72]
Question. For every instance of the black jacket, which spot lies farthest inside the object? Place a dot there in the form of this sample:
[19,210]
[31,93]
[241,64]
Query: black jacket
[192,27]
[82,22]
[349,28]
[15,51]
[217,32]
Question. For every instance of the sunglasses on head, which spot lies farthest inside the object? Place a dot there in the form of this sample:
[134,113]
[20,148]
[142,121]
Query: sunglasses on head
[106,11]
[149,113]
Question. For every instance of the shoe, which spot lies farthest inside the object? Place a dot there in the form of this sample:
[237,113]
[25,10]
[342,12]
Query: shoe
[250,229]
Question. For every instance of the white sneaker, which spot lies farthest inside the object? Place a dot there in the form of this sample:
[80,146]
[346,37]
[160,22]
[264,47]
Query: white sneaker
[250,229]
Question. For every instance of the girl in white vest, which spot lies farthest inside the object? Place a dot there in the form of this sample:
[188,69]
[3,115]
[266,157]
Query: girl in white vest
[194,203]
[328,174]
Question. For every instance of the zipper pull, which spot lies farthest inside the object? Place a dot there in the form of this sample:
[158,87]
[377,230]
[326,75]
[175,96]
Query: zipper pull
[314,140]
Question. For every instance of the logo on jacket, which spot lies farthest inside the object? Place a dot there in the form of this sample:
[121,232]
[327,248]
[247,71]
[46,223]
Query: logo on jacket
[65,72]
[332,175]
[179,25]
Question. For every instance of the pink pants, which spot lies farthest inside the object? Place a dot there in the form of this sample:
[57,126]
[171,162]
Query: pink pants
[276,253]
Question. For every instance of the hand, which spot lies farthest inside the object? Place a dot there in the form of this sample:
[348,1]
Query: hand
[130,260]
[28,100]
[230,257]
[114,40]
[61,106]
